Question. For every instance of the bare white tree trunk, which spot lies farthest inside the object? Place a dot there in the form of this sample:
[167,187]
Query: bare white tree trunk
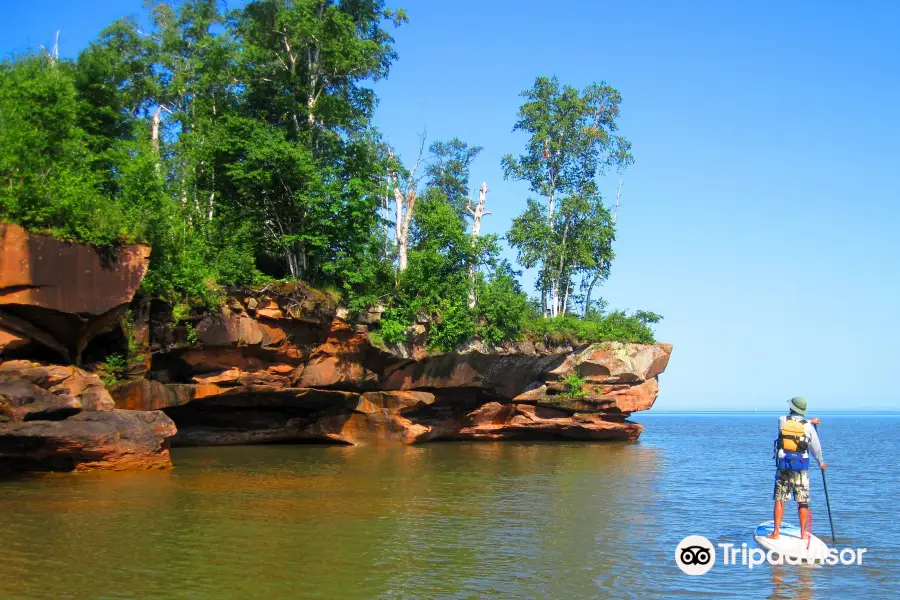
[292,264]
[314,89]
[155,121]
[154,129]
[403,237]
[477,214]
[399,202]
[555,300]
[405,203]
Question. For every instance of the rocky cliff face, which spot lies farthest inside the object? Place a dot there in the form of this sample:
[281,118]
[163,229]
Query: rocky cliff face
[55,297]
[280,364]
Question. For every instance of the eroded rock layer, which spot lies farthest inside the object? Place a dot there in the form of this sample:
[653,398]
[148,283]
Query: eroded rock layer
[55,418]
[55,296]
[272,365]
[282,367]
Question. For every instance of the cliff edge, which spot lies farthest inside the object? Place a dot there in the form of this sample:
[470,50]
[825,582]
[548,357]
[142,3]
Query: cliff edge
[280,363]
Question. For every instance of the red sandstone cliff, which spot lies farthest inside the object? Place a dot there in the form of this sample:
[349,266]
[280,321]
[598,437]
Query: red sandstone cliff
[279,364]
[55,297]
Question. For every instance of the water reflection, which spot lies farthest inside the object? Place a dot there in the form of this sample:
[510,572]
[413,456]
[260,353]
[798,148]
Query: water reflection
[792,582]
[438,520]
[522,520]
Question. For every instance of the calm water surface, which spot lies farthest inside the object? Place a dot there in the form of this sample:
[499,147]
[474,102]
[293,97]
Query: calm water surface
[504,520]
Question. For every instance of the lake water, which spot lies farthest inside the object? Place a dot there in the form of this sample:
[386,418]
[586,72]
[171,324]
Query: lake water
[453,520]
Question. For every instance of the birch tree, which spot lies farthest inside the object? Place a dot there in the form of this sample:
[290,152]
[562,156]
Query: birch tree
[572,142]
[405,186]
[303,72]
[478,212]
[601,260]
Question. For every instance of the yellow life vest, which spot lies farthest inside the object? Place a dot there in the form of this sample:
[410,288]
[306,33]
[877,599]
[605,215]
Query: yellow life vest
[792,437]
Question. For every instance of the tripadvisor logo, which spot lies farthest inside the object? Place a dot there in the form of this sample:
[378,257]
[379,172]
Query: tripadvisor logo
[695,555]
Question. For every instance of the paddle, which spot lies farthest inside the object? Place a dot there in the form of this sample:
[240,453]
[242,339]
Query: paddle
[827,501]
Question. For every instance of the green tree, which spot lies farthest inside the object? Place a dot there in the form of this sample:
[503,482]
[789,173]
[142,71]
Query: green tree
[44,159]
[503,308]
[571,143]
[303,66]
[448,267]
[449,168]
[240,145]
[435,284]
[170,88]
[57,175]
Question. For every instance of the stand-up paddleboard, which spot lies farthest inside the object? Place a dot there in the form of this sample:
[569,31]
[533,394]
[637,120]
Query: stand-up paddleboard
[789,543]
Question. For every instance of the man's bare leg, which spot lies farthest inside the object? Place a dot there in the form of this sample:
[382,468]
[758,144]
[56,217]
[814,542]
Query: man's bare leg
[779,515]
[803,511]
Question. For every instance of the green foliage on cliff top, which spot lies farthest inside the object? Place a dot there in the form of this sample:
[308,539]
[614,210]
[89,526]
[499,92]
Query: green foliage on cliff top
[595,327]
[55,174]
[240,145]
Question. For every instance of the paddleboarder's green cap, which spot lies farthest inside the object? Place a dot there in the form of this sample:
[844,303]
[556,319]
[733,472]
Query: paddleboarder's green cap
[798,405]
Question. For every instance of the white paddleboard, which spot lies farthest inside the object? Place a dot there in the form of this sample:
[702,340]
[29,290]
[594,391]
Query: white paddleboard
[789,543]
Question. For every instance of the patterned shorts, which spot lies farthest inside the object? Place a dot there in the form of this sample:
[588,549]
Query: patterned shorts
[787,482]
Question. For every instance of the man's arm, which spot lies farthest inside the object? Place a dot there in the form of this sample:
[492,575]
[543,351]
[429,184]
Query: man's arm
[815,447]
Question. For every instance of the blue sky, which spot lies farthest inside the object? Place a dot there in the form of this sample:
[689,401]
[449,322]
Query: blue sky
[760,215]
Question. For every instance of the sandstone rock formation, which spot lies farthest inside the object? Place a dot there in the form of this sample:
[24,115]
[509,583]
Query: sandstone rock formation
[115,440]
[56,418]
[273,367]
[58,295]
[34,392]
[280,363]
[509,421]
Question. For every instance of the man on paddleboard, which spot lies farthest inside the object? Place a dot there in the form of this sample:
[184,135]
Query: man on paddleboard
[797,438]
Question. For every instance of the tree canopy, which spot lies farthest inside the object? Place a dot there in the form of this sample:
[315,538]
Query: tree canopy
[240,145]
[572,142]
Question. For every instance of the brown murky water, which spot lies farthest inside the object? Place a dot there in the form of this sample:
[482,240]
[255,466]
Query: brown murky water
[523,520]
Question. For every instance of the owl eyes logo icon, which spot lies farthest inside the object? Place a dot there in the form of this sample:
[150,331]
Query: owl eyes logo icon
[695,555]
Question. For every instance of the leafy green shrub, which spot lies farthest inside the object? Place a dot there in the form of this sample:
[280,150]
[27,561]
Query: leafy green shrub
[113,369]
[376,339]
[180,311]
[392,330]
[504,309]
[453,327]
[191,333]
[574,386]
[615,326]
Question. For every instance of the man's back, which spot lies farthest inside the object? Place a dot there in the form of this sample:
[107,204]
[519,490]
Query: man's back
[812,437]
